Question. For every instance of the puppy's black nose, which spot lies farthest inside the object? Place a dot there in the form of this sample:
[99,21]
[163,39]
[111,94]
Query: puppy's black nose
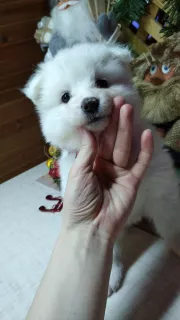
[90,105]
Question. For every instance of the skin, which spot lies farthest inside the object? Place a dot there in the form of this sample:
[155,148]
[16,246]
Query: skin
[100,194]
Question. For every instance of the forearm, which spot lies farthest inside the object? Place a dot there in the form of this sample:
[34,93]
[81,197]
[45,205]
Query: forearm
[76,281]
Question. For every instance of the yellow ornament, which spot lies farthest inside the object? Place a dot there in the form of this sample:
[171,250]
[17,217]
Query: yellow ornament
[50,163]
[52,151]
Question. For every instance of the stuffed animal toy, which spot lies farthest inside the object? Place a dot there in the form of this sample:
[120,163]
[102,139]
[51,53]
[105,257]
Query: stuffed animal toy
[50,35]
[107,24]
[156,75]
[44,32]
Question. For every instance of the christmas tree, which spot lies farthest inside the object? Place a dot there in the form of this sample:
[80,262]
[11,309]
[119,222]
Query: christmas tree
[172,18]
[127,11]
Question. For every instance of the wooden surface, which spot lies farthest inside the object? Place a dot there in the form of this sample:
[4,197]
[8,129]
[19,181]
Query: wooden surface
[148,26]
[21,143]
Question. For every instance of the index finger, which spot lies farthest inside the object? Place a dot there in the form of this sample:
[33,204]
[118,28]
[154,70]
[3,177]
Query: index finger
[108,137]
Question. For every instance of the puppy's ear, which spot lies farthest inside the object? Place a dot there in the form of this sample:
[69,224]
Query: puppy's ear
[122,53]
[32,88]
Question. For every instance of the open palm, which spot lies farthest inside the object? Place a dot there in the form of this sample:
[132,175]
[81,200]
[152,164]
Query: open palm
[103,182]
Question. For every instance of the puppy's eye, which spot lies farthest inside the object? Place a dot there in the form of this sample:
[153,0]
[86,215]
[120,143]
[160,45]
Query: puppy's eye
[66,97]
[102,83]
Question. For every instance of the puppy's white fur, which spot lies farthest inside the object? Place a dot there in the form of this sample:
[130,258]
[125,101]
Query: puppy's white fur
[75,71]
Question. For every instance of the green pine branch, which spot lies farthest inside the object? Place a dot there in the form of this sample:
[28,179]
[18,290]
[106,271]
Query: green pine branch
[172,19]
[127,11]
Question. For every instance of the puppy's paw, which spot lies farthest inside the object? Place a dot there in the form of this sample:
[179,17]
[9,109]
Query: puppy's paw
[115,279]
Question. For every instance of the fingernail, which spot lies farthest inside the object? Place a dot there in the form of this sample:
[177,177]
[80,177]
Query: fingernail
[149,131]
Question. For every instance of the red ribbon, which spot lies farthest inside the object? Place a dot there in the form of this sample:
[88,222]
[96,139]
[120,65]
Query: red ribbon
[55,208]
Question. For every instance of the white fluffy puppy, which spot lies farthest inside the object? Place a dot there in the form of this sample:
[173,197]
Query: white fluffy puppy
[76,89]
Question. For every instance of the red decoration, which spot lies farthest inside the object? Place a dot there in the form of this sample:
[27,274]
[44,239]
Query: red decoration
[56,208]
[55,171]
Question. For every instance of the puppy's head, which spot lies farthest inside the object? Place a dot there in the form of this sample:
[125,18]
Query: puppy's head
[76,89]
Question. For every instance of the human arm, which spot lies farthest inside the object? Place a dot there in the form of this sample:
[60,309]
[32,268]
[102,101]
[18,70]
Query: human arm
[99,196]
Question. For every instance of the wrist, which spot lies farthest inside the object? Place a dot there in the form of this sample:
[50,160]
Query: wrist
[85,236]
[84,262]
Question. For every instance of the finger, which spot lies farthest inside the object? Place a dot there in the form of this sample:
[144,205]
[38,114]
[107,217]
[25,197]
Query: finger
[109,135]
[88,150]
[122,148]
[145,156]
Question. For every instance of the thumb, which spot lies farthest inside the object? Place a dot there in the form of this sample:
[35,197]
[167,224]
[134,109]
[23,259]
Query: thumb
[87,154]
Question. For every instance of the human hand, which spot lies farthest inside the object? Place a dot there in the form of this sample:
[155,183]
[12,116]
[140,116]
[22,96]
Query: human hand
[102,188]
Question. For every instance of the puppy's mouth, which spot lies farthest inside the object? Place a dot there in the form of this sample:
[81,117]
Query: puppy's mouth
[96,120]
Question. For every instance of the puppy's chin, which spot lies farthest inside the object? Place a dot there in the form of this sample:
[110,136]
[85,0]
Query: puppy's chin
[72,141]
